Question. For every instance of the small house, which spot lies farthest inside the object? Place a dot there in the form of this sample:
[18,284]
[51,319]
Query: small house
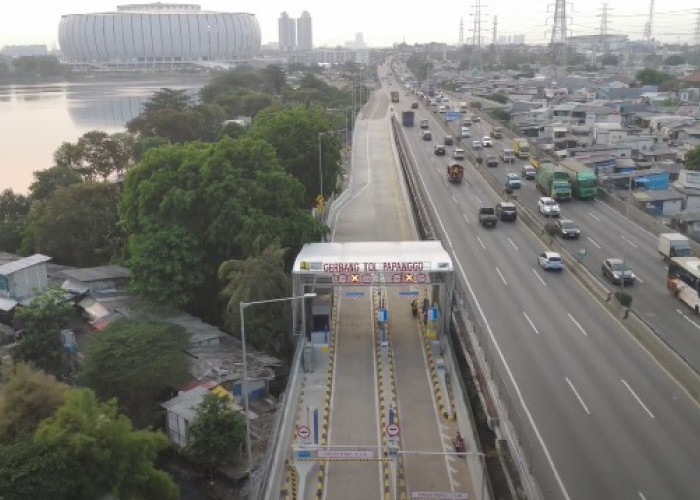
[22,279]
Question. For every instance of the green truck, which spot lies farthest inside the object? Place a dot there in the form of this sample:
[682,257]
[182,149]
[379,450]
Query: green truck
[583,181]
[553,182]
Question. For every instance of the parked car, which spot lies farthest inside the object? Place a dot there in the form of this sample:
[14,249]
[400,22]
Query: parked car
[439,150]
[449,140]
[551,261]
[512,181]
[491,161]
[458,154]
[506,211]
[568,229]
[528,172]
[548,207]
[476,145]
[414,105]
[617,272]
[487,141]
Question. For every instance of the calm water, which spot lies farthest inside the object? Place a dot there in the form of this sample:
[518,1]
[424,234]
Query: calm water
[36,119]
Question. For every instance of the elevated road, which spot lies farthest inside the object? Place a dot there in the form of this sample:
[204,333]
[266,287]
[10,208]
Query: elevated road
[598,416]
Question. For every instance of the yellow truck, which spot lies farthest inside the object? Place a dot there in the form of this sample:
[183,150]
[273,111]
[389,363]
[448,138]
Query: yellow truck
[521,148]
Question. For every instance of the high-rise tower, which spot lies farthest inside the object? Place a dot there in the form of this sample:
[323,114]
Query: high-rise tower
[304,32]
[287,33]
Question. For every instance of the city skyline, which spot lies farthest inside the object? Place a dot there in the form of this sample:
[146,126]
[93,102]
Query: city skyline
[383,24]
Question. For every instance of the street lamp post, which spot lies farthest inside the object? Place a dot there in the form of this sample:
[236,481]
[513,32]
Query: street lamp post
[244,388]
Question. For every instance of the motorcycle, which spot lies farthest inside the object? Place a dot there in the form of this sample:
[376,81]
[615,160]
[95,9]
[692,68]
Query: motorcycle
[458,444]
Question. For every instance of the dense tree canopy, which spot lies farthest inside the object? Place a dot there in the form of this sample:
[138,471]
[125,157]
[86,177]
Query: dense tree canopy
[294,133]
[27,397]
[650,76]
[76,225]
[96,155]
[692,159]
[135,362]
[105,455]
[46,182]
[261,276]
[609,60]
[188,208]
[40,343]
[216,432]
[14,209]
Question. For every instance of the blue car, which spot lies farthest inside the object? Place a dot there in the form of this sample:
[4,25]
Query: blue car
[513,181]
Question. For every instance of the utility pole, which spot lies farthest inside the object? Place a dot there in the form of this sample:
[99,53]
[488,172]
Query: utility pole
[461,31]
[477,25]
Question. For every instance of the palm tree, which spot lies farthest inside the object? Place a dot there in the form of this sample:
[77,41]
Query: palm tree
[261,276]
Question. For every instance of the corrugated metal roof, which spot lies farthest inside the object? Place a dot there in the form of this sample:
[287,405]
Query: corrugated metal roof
[7,304]
[88,274]
[18,265]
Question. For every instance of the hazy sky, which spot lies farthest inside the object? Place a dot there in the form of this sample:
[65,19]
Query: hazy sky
[384,22]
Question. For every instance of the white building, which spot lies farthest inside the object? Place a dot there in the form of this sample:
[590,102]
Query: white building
[305,32]
[22,279]
[287,32]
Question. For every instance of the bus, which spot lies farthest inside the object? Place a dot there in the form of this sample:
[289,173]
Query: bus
[683,279]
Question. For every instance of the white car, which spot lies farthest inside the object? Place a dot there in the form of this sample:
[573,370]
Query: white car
[458,154]
[442,109]
[550,261]
[487,141]
[548,207]
[464,132]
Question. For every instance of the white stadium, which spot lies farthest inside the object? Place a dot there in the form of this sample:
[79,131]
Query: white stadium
[158,33]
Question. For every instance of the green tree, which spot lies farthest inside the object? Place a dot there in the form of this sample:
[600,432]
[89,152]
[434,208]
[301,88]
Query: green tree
[144,144]
[75,225]
[196,205]
[215,433]
[14,209]
[243,102]
[46,182]
[609,60]
[165,98]
[650,76]
[294,133]
[134,362]
[35,470]
[261,276]
[674,60]
[40,343]
[107,455]
[274,78]
[692,159]
[26,398]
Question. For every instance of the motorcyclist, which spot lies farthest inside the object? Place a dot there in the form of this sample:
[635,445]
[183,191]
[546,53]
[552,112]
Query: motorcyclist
[459,442]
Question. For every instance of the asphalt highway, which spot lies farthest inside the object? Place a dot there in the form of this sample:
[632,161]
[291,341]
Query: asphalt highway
[598,417]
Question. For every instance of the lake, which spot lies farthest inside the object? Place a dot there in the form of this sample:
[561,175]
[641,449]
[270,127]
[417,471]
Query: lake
[36,118]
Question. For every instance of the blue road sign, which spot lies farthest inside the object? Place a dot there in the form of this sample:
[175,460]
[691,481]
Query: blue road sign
[382,315]
[452,116]
[303,454]
[433,314]
[410,293]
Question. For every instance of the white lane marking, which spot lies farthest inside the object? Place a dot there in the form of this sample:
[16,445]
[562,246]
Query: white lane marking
[502,278]
[637,398]
[627,221]
[577,324]
[481,243]
[454,199]
[578,396]
[640,279]
[531,323]
[628,241]
[477,198]
[688,319]
[596,244]
[538,276]
[514,245]
[501,356]
[641,496]
[593,216]
[465,218]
